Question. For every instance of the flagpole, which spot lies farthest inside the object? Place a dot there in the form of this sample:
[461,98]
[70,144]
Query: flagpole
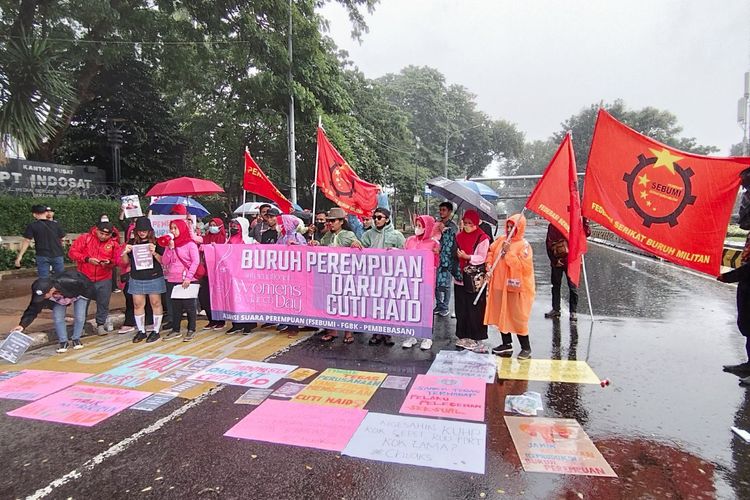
[244,193]
[315,184]
[586,284]
[497,259]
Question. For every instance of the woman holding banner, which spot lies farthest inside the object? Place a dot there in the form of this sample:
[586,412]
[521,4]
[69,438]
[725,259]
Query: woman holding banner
[426,237]
[181,260]
[239,234]
[511,290]
[216,234]
[472,245]
[147,281]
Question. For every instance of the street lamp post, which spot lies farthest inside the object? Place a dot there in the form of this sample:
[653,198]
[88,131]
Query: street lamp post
[290,118]
[447,138]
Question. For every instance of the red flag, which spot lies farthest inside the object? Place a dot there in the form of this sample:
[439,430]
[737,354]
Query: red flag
[673,204]
[255,181]
[340,184]
[561,207]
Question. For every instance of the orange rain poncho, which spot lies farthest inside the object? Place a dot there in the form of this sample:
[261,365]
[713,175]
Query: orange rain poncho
[511,290]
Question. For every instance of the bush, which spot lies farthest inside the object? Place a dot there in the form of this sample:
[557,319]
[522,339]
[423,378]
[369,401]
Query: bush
[76,215]
[8,259]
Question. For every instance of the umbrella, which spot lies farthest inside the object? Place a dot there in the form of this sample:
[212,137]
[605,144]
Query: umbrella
[464,197]
[484,190]
[252,207]
[164,204]
[184,186]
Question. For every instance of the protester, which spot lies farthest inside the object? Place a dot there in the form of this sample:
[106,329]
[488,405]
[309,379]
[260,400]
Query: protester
[271,234]
[127,226]
[239,228]
[557,251]
[96,253]
[339,236]
[445,209]
[448,261]
[180,260]
[511,288]
[382,235]
[367,222]
[426,237]
[260,225]
[289,235]
[319,228]
[145,282]
[57,293]
[47,236]
[216,234]
[472,245]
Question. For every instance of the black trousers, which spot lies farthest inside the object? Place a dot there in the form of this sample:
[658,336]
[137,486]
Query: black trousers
[204,298]
[180,306]
[557,274]
[743,312]
[469,317]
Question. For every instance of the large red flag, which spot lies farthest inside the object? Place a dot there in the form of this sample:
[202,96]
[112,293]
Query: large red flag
[562,207]
[340,184]
[255,181]
[673,204]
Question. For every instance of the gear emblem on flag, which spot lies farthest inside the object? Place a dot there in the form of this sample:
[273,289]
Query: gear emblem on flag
[659,195]
[343,184]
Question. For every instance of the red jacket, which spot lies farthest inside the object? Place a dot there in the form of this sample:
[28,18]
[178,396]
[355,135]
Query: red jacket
[88,246]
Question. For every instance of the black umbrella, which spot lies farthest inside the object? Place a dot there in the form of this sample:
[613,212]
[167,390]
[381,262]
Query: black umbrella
[464,197]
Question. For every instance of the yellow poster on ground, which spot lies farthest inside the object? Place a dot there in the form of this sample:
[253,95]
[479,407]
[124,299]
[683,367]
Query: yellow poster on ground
[546,370]
[556,445]
[301,374]
[341,388]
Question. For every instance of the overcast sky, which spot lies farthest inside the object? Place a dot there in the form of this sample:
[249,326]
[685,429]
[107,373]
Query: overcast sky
[537,62]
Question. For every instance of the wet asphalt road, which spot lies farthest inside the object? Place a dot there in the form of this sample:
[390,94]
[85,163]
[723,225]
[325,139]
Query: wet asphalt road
[661,337]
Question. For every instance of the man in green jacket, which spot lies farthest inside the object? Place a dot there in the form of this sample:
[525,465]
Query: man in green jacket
[382,235]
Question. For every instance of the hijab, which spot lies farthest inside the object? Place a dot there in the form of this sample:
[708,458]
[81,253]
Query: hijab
[469,241]
[184,238]
[244,235]
[220,237]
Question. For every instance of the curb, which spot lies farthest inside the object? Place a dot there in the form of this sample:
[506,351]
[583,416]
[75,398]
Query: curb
[28,272]
[42,339]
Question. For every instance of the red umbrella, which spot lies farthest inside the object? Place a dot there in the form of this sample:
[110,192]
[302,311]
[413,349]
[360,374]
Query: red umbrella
[184,186]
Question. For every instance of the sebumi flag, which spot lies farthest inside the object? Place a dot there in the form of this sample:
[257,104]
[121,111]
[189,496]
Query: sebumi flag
[255,181]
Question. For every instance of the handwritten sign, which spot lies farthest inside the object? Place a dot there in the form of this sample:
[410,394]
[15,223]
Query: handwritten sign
[395,382]
[253,397]
[14,346]
[31,385]
[183,373]
[244,373]
[141,370]
[160,223]
[80,405]
[548,370]
[142,258]
[557,445]
[464,364]
[131,206]
[153,402]
[302,374]
[288,390]
[443,444]
[181,387]
[287,422]
[341,388]
[446,396]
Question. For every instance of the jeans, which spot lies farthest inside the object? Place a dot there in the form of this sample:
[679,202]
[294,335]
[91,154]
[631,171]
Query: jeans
[79,316]
[43,264]
[557,274]
[103,291]
[442,298]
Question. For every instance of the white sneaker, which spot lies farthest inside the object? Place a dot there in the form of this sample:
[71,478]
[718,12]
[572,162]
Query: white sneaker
[77,345]
[125,329]
[470,344]
[409,343]
[63,348]
[426,344]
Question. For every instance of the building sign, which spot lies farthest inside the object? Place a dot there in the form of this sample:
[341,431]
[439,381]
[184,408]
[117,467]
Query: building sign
[25,177]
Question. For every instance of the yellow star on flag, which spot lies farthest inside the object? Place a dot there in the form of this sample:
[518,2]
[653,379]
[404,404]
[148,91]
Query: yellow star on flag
[665,158]
[643,180]
[644,194]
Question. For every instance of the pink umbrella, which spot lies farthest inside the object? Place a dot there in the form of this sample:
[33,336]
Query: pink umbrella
[184,186]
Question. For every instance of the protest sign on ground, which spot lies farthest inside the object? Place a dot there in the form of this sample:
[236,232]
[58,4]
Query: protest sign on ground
[446,396]
[14,346]
[141,370]
[464,364]
[341,388]
[31,385]
[547,370]
[244,373]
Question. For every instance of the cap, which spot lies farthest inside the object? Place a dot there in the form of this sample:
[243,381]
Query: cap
[39,288]
[143,224]
[39,209]
[384,211]
[104,227]
[336,213]
[273,211]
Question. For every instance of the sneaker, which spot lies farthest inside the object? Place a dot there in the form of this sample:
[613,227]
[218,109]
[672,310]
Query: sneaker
[153,337]
[573,317]
[63,348]
[552,314]
[503,350]
[101,330]
[174,334]
[209,326]
[248,329]
[125,329]
[461,343]
[453,315]
[742,368]
[235,328]
[190,335]
[443,314]
[409,343]
[744,382]
[480,348]
[524,354]
[470,344]
[282,328]
[77,345]
[140,336]
[219,325]
[375,339]
[426,344]
[435,310]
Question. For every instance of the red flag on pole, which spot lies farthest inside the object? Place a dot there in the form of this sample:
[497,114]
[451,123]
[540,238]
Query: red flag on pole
[673,204]
[340,184]
[562,207]
[256,182]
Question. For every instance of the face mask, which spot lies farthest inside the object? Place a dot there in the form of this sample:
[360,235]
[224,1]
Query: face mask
[320,226]
[470,229]
[213,229]
[234,230]
[419,231]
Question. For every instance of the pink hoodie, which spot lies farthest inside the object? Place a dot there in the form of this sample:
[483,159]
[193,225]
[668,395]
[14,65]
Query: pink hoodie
[425,240]
[172,262]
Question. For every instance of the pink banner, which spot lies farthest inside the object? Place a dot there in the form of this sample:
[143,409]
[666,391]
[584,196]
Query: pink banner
[372,291]
[298,424]
[31,385]
[80,405]
[446,396]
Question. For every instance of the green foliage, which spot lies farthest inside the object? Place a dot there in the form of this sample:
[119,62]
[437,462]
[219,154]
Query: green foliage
[8,259]
[76,215]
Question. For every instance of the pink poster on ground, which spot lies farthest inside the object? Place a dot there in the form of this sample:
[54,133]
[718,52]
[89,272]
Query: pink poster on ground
[31,385]
[372,290]
[446,396]
[299,424]
[83,405]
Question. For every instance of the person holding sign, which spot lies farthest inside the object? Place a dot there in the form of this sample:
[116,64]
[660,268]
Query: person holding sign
[146,278]
[57,293]
[181,260]
[511,290]
[216,234]
[239,234]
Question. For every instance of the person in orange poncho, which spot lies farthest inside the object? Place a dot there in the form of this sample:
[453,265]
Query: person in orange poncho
[511,290]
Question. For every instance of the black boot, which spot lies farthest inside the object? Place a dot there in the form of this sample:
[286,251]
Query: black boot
[525,347]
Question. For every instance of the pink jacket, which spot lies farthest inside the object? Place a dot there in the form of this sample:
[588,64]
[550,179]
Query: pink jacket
[172,262]
[425,241]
